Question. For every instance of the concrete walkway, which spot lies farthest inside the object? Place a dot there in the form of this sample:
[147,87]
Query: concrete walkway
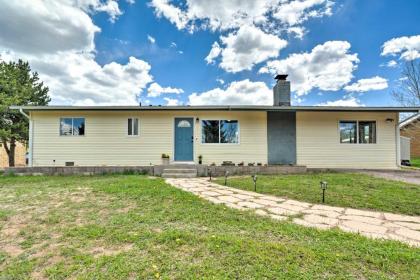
[368,223]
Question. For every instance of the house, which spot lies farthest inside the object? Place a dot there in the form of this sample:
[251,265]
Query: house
[410,128]
[316,137]
[20,155]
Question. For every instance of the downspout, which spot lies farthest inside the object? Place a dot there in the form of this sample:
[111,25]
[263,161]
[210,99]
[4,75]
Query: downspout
[30,136]
[398,140]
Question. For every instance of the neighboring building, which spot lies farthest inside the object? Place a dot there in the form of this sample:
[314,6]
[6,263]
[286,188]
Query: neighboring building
[20,155]
[318,137]
[410,128]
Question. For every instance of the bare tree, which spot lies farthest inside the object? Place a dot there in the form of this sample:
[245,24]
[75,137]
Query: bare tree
[408,92]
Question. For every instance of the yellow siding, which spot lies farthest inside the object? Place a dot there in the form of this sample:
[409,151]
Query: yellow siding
[318,141]
[106,141]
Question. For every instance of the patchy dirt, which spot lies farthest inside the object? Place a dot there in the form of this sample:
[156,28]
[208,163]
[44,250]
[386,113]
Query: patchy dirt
[110,251]
[407,176]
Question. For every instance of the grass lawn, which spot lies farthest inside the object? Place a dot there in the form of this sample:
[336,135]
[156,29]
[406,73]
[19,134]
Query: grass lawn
[415,162]
[122,226]
[344,189]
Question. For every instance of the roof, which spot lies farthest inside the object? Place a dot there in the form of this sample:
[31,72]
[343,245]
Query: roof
[219,108]
[413,118]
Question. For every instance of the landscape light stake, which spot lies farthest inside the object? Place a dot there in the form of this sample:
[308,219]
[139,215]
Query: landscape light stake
[324,186]
[254,178]
[226,176]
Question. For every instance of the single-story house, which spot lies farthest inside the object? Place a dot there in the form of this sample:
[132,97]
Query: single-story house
[313,136]
[410,128]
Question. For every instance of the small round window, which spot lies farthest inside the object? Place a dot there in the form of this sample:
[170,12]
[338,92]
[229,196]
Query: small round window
[184,123]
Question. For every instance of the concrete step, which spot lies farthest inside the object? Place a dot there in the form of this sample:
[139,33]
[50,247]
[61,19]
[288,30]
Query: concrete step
[180,170]
[179,175]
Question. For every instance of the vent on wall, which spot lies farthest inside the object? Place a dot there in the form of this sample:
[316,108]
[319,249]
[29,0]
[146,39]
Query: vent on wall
[69,163]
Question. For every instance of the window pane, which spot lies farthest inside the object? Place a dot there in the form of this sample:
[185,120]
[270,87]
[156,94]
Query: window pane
[65,126]
[130,126]
[367,132]
[210,131]
[348,132]
[229,132]
[136,126]
[78,126]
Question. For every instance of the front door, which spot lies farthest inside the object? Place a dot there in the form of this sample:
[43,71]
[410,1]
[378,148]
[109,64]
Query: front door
[184,139]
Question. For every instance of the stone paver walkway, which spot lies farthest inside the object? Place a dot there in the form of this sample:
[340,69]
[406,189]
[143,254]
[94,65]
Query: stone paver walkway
[368,223]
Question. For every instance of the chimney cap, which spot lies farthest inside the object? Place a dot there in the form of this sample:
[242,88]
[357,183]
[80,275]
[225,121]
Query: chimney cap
[281,77]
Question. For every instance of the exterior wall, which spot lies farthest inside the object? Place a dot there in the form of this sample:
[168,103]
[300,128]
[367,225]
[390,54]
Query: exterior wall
[281,128]
[20,156]
[318,141]
[412,131]
[106,143]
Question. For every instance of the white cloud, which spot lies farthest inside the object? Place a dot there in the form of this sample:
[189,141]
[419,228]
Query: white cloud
[225,15]
[328,66]
[171,101]
[245,48]
[296,12]
[243,92]
[151,39]
[57,38]
[220,81]
[392,63]
[346,102]
[156,90]
[363,85]
[407,47]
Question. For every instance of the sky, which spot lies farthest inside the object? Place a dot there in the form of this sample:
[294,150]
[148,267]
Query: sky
[200,52]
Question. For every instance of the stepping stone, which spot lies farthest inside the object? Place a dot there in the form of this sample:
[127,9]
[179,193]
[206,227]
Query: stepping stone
[358,227]
[210,193]
[401,218]
[228,198]
[298,203]
[315,219]
[242,196]
[222,191]
[235,206]
[214,200]
[249,204]
[328,208]
[265,202]
[291,207]
[412,226]
[308,224]
[273,198]
[278,217]
[362,213]
[330,214]
[362,219]
[408,233]
[261,212]
[281,211]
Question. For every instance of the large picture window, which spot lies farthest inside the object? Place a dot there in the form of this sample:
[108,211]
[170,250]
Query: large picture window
[358,132]
[133,126]
[72,126]
[220,131]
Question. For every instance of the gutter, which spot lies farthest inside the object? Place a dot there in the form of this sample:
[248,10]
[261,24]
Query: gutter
[30,135]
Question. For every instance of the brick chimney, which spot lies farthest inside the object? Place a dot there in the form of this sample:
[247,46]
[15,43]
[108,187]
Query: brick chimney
[281,91]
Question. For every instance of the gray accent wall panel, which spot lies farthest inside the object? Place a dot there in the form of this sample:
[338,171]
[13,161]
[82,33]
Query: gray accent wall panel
[281,130]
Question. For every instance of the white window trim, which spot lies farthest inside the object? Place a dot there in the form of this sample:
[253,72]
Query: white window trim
[132,126]
[357,132]
[71,135]
[219,143]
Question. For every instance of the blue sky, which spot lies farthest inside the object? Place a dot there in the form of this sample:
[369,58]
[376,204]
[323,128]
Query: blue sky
[336,52]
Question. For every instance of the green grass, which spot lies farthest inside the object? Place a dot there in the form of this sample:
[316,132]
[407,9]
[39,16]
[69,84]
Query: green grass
[119,227]
[344,189]
[415,162]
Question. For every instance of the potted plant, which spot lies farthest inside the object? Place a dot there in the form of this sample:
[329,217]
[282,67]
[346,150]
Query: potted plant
[241,163]
[259,164]
[200,159]
[165,159]
[251,163]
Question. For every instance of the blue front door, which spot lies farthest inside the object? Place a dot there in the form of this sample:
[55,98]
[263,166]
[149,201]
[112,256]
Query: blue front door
[184,139]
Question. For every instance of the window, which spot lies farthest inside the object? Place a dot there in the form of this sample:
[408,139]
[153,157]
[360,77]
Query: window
[362,132]
[367,132]
[220,131]
[133,126]
[72,126]
[348,132]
